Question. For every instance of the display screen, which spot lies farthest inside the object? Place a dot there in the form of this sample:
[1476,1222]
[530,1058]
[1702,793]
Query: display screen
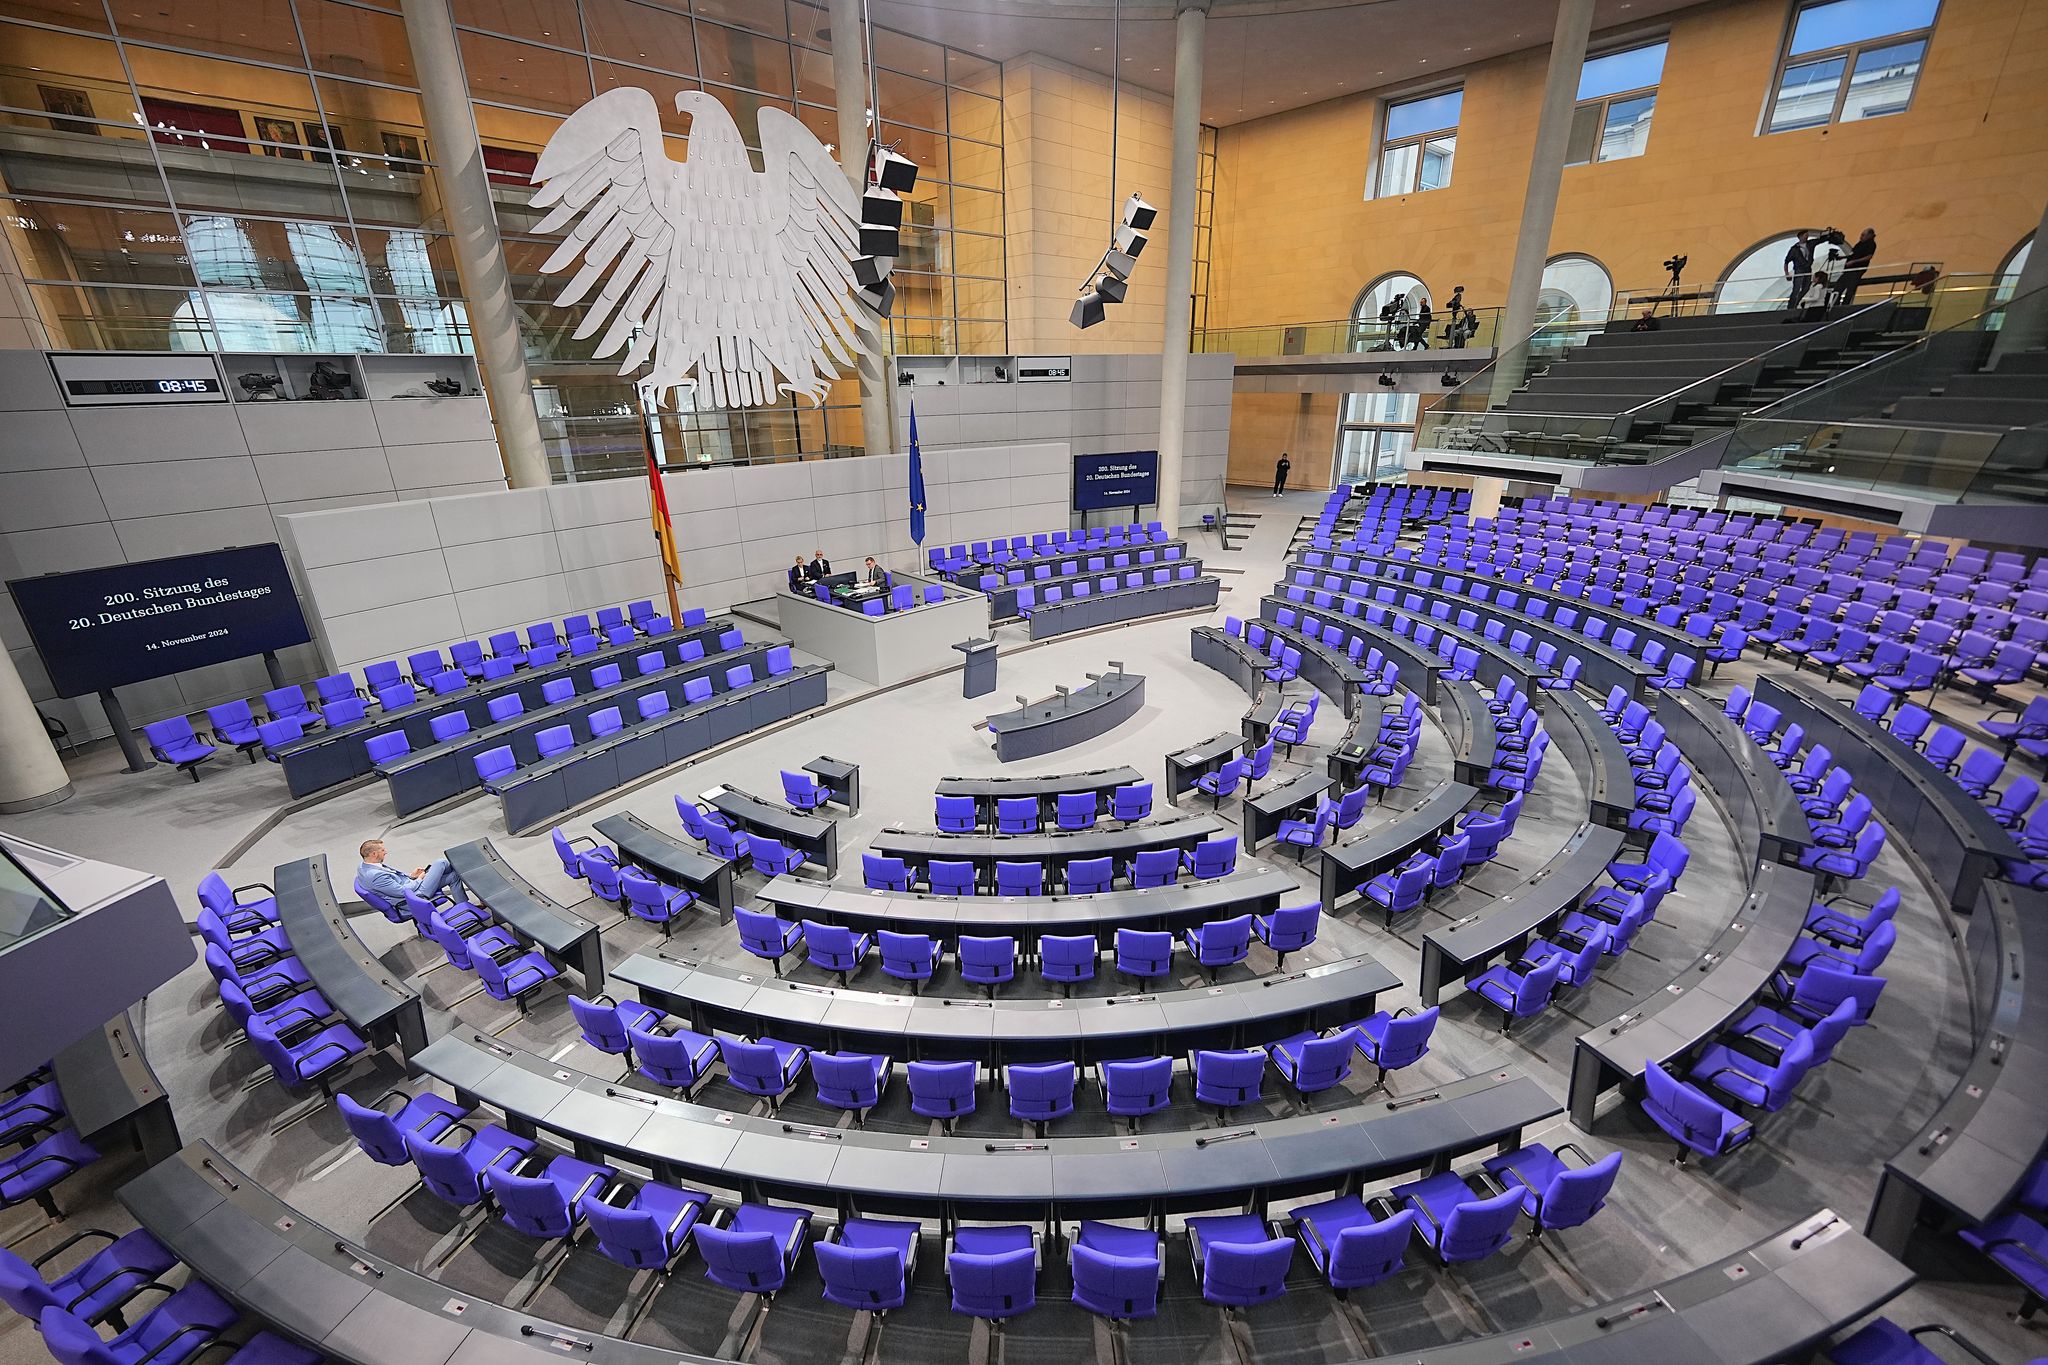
[101,628]
[139,388]
[1102,482]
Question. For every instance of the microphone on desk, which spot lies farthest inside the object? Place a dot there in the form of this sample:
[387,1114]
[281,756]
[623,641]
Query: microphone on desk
[1118,665]
[1063,693]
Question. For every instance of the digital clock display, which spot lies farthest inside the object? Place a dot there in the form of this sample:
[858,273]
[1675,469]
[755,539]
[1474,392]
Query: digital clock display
[139,388]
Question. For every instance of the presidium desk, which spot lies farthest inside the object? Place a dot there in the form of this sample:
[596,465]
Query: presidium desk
[1060,722]
[892,647]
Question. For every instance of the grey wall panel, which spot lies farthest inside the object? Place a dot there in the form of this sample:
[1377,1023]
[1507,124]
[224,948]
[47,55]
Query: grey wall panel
[39,439]
[273,428]
[148,436]
[147,490]
[37,498]
[26,383]
[298,475]
[186,533]
[438,464]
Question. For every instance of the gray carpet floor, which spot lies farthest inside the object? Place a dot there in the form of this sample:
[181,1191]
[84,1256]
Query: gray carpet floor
[1823,1151]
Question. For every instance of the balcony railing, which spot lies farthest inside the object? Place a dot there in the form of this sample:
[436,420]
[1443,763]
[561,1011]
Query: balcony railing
[1349,336]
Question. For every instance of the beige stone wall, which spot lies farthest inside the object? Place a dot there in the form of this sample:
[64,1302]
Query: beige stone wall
[1957,178]
[1059,201]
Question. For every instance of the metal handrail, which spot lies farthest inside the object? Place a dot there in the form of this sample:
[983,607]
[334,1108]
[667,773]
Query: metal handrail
[1719,376]
[1900,356]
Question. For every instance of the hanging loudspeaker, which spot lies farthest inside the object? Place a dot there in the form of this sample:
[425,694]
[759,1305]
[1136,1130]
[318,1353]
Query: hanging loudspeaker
[880,297]
[881,208]
[1118,264]
[1130,241]
[872,270]
[878,241]
[897,174]
[1087,310]
[1138,213]
[1111,288]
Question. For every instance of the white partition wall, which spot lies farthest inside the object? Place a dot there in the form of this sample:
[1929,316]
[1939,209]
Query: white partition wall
[383,581]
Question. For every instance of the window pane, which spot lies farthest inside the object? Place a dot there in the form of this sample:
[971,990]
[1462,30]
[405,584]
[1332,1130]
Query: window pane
[735,57]
[86,161]
[1584,138]
[1424,115]
[977,210]
[222,100]
[1436,162]
[975,116]
[972,255]
[70,13]
[547,21]
[763,16]
[814,78]
[522,74]
[978,298]
[90,245]
[1882,82]
[402,261]
[88,319]
[1397,169]
[1636,69]
[351,41]
[65,74]
[1627,131]
[916,100]
[1806,97]
[376,120]
[250,28]
[640,33]
[235,182]
[975,164]
[425,326]
[1841,22]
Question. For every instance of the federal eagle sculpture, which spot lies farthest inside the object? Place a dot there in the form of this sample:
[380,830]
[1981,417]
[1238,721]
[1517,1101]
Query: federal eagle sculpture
[705,267]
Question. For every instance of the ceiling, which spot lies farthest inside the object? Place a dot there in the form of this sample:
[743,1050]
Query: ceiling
[1263,56]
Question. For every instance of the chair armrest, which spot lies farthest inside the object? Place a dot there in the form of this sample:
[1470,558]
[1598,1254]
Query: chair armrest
[512,980]
[252,886]
[189,1329]
[71,1241]
[299,1063]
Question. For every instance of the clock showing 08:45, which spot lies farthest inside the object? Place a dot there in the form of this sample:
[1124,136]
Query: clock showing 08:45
[92,379]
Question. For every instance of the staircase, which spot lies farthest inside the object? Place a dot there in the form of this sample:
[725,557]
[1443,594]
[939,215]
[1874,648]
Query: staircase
[1709,371]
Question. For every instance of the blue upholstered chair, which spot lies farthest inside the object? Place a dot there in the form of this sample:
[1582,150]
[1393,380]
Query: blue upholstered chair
[1040,1093]
[1454,1222]
[1348,1246]
[1065,959]
[853,1081]
[1117,1270]
[941,1090]
[993,1271]
[765,1067]
[836,948]
[867,1266]
[1230,1079]
[1135,1088]
[754,1250]
[1238,1261]
[908,957]
[1289,928]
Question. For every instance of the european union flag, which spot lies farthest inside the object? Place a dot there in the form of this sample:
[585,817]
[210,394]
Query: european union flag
[916,481]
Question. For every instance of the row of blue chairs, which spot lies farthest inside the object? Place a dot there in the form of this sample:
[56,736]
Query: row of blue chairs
[33,1119]
[506,967]
[992,1271]
[1212,857]
[769,857]
[990,961]
[1026,814]
[287,714]
[103,1290]
[1975,769]
[901,597]
[1045,570]
[1846,839]
[643,894]
[682,1059]
[1380,671]
[1030,599]
[952,559]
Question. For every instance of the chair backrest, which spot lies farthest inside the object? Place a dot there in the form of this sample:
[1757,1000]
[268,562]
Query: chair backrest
[1573,1196]
[1294,926]
[533,1205]
[1479,1228]
[386,747]
[1216,857]
[955,814]
[1245,1273]
[948,877]
[1155,867]
[745,1261]
[861,1276]
[845,1079]
[555,691]
[506,707]
[1366,1254]
[630,1237]
[832,946]
[554,740]
[1090,875]
[1077,809]
[1043,1088]
[996,1285]
[599,1024]
[1017,814]
[905,955]
[941,1089]
[1116,1286]
[883,873]
[1132,802]
[373,1130]
[1225,940]
[987,957]
[1020,878]
[753,1067]
[761,933]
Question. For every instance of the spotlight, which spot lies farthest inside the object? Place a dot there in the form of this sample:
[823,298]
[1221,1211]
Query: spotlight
[1386,380]
[1448,380]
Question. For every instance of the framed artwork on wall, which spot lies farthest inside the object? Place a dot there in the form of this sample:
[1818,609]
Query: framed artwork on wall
[279,130]
[72,105]
[401,147]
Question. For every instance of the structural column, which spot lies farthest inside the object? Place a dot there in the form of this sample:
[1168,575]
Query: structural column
[850,83]
[1539,202]
[2026,319]
[479,253]
[31,774]
[1191,19]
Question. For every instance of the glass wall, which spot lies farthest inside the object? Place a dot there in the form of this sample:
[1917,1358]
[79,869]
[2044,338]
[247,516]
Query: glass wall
[245,177]
[256,176]
[1374,431]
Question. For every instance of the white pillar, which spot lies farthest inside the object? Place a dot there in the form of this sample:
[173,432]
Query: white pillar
[1539,201]
[479,253]
[1190,21]
[31,774]
[850,85]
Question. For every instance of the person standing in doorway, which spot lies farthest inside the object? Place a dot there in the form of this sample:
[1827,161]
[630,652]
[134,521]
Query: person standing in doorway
[1799,268]
[1280,468]
[1860,257]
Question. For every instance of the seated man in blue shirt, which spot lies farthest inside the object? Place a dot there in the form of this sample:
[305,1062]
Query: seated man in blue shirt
[391,884]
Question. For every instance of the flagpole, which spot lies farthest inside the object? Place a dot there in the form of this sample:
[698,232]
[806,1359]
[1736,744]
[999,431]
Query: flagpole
[675,612]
